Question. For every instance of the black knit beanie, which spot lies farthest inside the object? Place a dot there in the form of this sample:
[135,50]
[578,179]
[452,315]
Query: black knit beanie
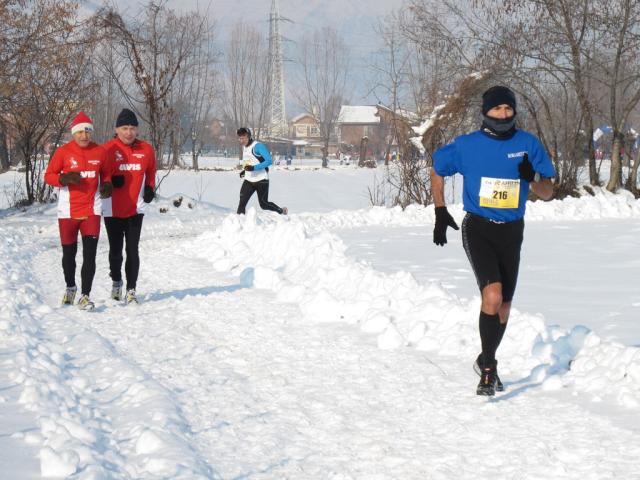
[243,131]
[498,95]
[126,117]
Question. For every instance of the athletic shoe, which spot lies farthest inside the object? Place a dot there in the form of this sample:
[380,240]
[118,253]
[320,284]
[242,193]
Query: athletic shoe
[487,385]
[285,211]
[69,296]
[131,296]
[85,304]
[116,290]
[477,367]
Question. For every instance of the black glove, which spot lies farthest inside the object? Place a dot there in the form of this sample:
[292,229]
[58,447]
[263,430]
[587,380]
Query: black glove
[242,174]
[249,168]
[118,181]
[105,190]
[71,178]
[526,169]
[148,194]
[443,220]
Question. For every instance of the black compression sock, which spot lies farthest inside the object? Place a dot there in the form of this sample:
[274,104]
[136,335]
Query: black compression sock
[69,263]
[502,328]
[89,247]
[489,336]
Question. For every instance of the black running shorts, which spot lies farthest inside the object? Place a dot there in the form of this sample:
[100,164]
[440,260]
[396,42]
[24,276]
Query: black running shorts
[493,250]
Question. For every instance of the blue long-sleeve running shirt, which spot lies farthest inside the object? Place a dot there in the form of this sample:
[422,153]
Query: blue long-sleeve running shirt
[492,187]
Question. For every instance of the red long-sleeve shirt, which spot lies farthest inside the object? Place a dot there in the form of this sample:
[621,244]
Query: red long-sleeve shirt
[83,200]
[137,164]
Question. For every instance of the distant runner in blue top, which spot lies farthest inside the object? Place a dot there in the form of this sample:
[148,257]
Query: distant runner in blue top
[498,164]
[255,172]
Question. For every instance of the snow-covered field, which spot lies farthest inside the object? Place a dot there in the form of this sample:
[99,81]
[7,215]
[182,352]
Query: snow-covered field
[334,343]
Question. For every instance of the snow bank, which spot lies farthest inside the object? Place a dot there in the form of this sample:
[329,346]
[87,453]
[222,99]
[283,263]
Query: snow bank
[602,205]
[336,219]
[599,366]
[78,387]
[302,264]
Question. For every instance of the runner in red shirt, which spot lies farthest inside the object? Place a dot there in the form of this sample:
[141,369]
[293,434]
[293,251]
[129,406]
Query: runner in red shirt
[77,168]
[133,168]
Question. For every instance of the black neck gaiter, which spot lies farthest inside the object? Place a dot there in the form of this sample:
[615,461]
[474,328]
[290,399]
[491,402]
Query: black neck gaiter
[502,129]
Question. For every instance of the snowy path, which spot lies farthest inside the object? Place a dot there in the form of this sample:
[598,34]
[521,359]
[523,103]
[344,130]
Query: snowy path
[212,376]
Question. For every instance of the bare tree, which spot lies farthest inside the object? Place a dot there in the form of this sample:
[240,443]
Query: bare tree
[106,67]
[390,75]
[46,83]
[14,39]
[155,45]
[620,74]
[559,35]
[324,61]
[411,179]
[198,87]
[542,49]
[589,54]
[247,79]
[437,57]
[445,77]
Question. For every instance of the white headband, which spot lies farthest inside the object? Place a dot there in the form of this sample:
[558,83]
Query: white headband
[82,127]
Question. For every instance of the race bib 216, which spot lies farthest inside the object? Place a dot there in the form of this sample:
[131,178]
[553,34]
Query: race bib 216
[499,192]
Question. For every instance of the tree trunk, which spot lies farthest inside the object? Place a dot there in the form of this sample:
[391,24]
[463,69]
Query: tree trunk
[28,180]
[387,155]
[616,166]
[363,152]
[175,149]
[395,135]
[633,175]
[594,179]
[194,156]
[325,153]
[4,152]
[387,150]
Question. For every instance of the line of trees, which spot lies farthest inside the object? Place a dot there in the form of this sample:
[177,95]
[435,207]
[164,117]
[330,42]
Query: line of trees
[168,66]
[573,64]
[55,61]
[320,68]
[43,54]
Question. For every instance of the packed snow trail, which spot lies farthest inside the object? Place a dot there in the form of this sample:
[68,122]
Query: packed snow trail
[244,360]
[98,414]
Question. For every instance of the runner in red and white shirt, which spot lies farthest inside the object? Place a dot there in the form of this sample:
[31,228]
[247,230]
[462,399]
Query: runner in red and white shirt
[133,168]
[78,168]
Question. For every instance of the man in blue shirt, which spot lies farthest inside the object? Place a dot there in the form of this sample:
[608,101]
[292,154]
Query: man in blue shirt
[498,164]
[256,158]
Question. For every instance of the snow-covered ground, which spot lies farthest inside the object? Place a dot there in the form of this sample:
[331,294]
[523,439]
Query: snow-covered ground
[335,343]
[594,284]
